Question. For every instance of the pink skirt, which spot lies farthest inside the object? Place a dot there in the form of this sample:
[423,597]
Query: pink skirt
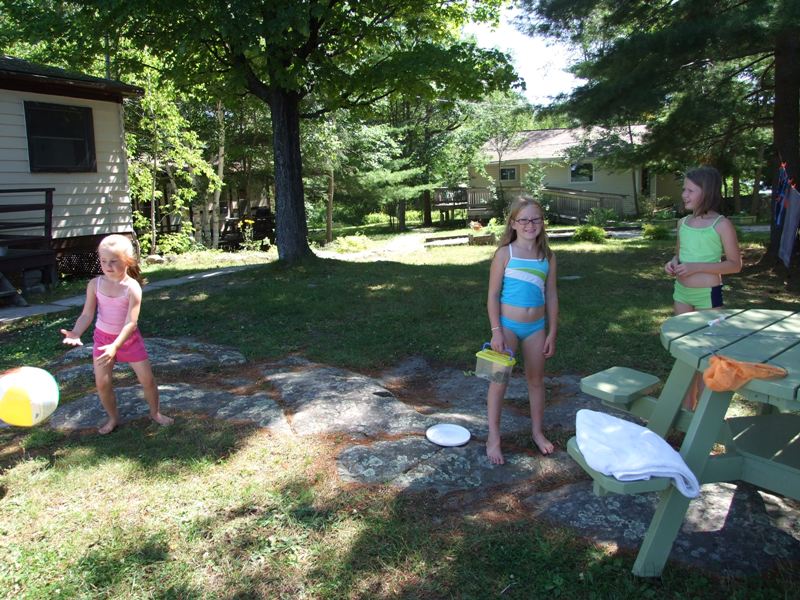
[131,351]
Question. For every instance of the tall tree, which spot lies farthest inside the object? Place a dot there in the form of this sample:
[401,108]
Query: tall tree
[338,54]
[502,119]
[706,75]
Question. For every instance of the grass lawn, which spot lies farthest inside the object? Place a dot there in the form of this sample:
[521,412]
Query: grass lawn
[208,509]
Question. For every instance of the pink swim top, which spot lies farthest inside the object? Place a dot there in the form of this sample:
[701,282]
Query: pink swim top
[111,310]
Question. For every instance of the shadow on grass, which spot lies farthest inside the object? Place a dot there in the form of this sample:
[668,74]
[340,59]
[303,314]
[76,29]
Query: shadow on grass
[390,546]
[190,444]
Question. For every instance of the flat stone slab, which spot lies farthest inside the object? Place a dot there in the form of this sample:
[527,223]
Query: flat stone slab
[259,408]
[415,464]
[730,529]
[166,356]
[322,399]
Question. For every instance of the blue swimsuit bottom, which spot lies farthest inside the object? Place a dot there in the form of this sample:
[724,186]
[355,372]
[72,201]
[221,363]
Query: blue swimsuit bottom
[520,329]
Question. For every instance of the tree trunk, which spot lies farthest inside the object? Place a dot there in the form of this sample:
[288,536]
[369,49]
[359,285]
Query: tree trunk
[290,213]
[197,223]
[633,176]
[329,209]
[427,221]
[220,173]
[205,220]
[153,207]
[401,215]
[737,195]
[786,119]
[755,202]
[635,192]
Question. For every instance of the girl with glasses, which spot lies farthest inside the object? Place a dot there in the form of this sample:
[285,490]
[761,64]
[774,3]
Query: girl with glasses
[523,311]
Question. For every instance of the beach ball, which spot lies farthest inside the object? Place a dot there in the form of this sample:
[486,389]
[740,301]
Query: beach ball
[28,395]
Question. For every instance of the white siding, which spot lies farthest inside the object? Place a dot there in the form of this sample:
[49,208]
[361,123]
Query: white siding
[557,175]
[83,203]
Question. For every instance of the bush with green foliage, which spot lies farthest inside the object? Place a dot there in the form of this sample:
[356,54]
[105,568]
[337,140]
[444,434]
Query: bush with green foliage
[376,218]
[655,232]
[141,225]
[601,217]
[350,243]
[179,242]
[664,214]
[589,233]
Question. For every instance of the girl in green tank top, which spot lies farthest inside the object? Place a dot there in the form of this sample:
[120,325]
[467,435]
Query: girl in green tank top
[706,250]
[707,247]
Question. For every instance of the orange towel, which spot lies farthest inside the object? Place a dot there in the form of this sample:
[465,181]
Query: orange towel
[725,373]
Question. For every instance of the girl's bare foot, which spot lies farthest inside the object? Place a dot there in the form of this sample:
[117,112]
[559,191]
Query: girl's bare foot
[107,427]
[545,446]
[162,419]
[493,451]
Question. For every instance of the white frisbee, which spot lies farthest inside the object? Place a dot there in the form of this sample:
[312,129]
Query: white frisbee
[447,434]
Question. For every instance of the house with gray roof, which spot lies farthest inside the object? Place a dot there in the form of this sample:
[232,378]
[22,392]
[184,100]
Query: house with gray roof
[580,181]
[63,166]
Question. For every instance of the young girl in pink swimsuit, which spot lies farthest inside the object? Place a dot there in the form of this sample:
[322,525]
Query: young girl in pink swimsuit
[116,296]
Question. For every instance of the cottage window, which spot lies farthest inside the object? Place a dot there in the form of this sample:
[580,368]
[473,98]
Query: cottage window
[60,138]
[509,174]
[581,172]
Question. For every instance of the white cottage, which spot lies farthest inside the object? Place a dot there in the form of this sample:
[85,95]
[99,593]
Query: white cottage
[585,179]
[62,137]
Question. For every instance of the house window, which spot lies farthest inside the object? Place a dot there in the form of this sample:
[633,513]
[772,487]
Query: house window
[581,172]
[509,174]
[60,138]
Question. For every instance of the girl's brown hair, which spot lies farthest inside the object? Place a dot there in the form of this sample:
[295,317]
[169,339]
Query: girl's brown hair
[123,248]
[509,234]
[709,180]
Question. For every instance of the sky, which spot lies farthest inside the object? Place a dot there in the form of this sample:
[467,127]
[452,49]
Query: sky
[539,61]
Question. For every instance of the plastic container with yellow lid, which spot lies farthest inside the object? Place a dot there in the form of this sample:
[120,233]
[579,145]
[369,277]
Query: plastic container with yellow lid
[494,366]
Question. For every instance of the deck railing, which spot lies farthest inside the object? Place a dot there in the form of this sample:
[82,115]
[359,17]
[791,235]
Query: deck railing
[571,205]
[21,230]
[476,201]
[561,203]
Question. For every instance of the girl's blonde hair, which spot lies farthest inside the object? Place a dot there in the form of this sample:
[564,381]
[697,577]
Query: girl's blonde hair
[510,234]
[122,247]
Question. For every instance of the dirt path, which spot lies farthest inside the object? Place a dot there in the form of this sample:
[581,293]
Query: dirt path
[397,246]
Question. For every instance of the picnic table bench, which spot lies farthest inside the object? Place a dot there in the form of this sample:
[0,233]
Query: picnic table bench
[763,449]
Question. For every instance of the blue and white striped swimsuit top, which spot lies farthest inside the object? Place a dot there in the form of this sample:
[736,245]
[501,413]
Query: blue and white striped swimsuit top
[523,281]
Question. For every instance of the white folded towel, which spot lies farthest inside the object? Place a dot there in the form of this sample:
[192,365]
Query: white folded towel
[630,452]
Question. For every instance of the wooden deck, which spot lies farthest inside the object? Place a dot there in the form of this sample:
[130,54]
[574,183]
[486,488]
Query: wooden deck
[562,205]
[27,258]
[476,202]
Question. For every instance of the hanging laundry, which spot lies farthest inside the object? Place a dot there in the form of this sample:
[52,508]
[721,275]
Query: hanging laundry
[791,222]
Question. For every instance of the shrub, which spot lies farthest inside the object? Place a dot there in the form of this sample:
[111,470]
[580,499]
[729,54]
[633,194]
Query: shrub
[413,216]
[350,243]
[589,233]
[179,242]
[655,232]
[664,214]
[376,218]
[601,216]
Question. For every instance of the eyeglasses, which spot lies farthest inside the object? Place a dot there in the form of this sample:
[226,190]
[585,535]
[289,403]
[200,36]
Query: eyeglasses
[526,222]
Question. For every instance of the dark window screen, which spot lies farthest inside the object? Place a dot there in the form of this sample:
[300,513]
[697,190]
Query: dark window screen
[60,138]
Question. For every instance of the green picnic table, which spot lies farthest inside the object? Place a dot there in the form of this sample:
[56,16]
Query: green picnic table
[763,450]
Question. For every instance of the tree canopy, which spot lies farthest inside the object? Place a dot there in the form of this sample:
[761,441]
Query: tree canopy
[712,79]
[305,58]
